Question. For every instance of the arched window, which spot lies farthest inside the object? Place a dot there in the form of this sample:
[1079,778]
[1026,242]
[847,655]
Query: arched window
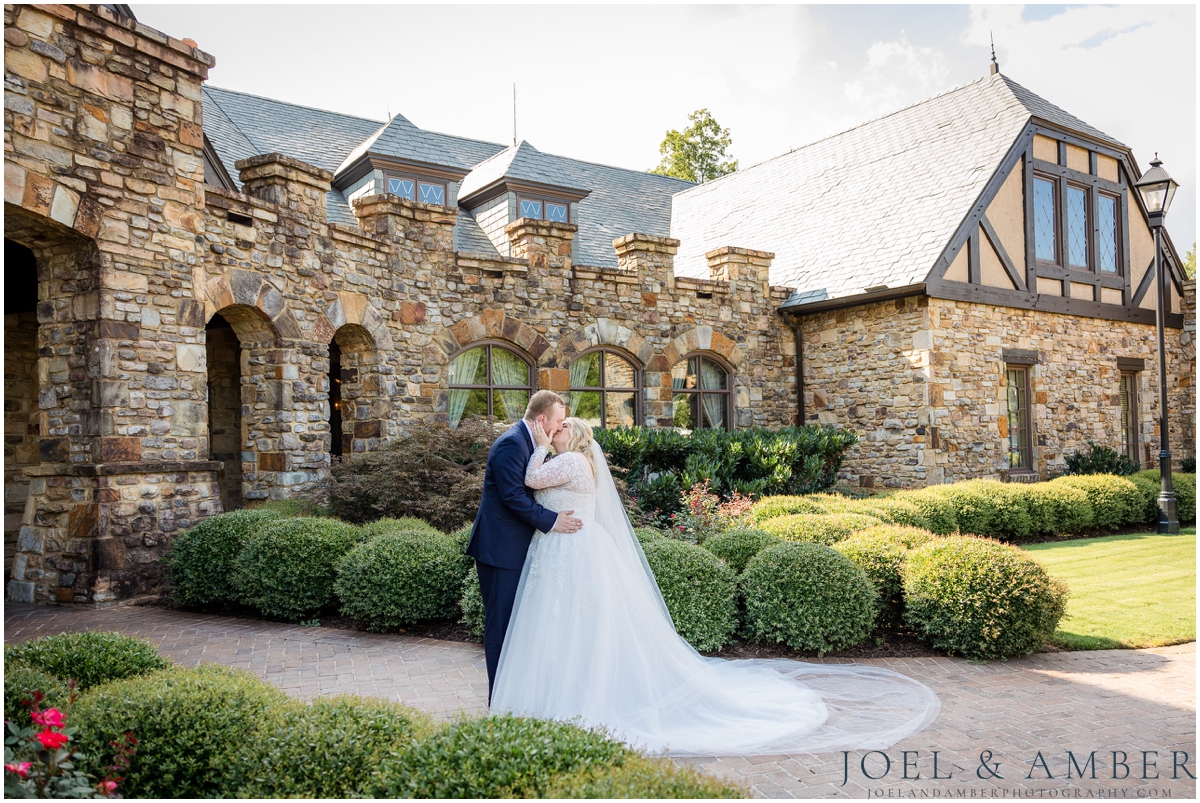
[488,379]
[605,389]
[701,397]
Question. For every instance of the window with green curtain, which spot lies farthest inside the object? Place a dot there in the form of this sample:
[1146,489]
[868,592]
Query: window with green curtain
[488,380]
[604,389]
[701,393]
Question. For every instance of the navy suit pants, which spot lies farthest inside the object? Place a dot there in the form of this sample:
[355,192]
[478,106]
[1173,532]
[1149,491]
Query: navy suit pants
[499,589]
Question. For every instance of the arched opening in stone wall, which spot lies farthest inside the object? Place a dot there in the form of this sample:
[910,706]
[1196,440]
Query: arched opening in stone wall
[224,355]
[20,387]
[357,404]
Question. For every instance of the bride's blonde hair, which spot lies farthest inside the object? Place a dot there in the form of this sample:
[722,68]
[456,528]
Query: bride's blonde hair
[579,438]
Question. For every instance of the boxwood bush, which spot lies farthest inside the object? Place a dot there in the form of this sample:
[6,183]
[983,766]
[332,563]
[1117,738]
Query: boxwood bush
[403,524]
[807,596]
[939,510]
[471,605]
[1149,484]
[90,658]
[1115,500]
[700,591]
[736,547]
[891,510]
[974,512]
[329,748]
[880,553]
[491,757]
[980,598]
[638,777]
[1007,505]
[400,578]
[21,681]
[1055,508]
[770,507]
[818,528]
[288,568]
[202,559]
[189,723]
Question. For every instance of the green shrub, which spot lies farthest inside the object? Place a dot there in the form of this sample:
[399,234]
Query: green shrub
[292,508]
[937,509]
[1055,508]
[1150,483]
[462,538]
[1187,465]
[288,568]
[1115,500]
[736,547]
[980,598]
[645,535]
[807,596]
[189,723]
[21,681]
[329,748]
[490,757]
[907,537]
[471,605]
[770,507]
[89,658]
[401,525]
[633,777]
[202,559]
[1100,460]
[1008,508]
[880,552]
[400,578]
[974,511]
[818,528]
[700,591]
[891,510]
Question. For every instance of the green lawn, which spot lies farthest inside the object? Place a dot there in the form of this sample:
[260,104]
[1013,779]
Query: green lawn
[1126,590]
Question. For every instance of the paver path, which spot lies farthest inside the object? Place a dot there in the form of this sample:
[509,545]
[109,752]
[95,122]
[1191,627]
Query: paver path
[1128,701]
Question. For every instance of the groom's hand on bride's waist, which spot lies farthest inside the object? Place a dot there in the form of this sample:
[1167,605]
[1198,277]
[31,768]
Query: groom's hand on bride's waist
[566,523]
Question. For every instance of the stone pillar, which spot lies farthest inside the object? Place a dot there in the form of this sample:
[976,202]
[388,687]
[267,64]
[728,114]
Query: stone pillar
[546,245]
[653,258]
[291,184]
[741,267]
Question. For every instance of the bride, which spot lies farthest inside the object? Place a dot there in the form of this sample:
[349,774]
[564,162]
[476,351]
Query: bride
[591,639]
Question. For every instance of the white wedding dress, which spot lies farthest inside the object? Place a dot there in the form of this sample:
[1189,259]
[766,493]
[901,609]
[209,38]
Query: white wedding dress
[591,640]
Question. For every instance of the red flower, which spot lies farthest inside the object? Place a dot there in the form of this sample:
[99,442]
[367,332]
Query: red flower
[106,787]
[21,768]
[52,740]
[51,718]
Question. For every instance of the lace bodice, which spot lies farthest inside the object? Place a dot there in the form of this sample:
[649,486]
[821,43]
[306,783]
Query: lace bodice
[564,483]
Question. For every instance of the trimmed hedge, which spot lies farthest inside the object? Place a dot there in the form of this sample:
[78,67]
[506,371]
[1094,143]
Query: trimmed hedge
[817,528]
[980,598]
[634,777]
[399,578]
[89,658]
[329,748]
[807,596]
[770,507]
[647,534]
[891,510]
[490,757]
[288,569]
[880,553]
[1055,509]
[1149,484]
[700,591]
[471,605]
[21,681]
[737,547]
[404,524]
[938,510]
[1115,500]
[202,559]
[190,724]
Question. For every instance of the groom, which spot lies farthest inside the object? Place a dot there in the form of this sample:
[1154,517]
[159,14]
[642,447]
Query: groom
[507,519]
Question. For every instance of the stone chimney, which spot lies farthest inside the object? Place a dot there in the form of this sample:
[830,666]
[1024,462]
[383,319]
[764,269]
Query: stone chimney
[289,183]
[741,267]
[543,243]
[653,258]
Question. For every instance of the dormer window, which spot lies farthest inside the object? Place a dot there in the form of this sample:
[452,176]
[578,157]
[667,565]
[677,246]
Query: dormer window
[552,209]
[413,188]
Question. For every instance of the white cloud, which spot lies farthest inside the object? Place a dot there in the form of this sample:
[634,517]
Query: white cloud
[897,74]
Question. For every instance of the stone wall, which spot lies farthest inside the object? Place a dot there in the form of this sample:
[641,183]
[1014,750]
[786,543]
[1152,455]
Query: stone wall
[20,420]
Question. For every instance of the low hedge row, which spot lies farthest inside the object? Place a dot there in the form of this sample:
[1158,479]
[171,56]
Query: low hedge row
[212,731]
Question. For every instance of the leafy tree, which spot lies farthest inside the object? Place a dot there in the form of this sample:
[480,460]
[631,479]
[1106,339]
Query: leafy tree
[699,152]
[1189,263]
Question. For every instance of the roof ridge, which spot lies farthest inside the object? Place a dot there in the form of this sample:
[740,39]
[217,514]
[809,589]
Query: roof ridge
[297,105]
[616,167]
[254,146]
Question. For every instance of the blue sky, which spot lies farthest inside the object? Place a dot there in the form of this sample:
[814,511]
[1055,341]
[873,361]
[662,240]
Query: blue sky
[604,83]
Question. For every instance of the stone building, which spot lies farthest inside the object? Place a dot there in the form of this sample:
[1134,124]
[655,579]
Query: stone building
[209,295]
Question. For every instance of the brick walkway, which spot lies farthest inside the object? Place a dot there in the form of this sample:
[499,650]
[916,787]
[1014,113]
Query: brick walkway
[1110,700]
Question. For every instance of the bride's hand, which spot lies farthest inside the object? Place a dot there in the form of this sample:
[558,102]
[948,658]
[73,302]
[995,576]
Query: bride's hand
[539,434]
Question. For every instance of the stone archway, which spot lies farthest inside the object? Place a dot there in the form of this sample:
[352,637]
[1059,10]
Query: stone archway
[358,402]
[20,387]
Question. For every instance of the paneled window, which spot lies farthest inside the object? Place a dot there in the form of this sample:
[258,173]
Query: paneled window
[489,380]
[552,209]
[701,393]
[1045,219]
[417,189]
[1129,415]
[1108,232]
[1020,441]
[605,388]
[1077,227]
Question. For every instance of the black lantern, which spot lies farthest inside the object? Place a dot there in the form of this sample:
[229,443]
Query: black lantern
[1157,189]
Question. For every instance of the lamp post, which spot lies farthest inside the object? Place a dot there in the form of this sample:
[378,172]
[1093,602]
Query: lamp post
[1157,189]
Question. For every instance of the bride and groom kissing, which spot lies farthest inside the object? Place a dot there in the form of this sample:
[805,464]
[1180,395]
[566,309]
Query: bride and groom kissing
[575,627]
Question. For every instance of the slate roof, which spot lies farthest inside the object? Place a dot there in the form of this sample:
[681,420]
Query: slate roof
[872,206]
[402,139]
[521,161]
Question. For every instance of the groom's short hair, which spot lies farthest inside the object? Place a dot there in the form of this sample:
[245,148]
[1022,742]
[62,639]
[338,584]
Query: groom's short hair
[541,403]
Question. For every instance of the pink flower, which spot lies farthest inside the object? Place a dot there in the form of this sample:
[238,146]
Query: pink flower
[107,787]
[52,740]
[51,718]
[21,768]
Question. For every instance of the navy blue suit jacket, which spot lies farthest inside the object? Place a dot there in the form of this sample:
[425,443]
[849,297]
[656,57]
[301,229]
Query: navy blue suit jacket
[508,516]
